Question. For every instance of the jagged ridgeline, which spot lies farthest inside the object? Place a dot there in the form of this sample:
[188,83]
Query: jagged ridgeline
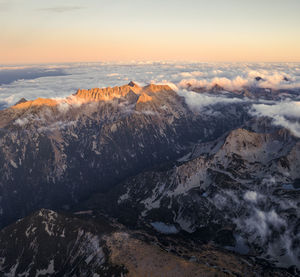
[131,171]
[56,152]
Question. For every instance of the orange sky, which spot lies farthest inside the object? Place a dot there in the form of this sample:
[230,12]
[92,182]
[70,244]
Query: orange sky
[90,30]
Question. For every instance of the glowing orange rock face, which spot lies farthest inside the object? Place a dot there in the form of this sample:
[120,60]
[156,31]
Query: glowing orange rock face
[106,94]
[156,88]
[37,102]
[144,98]
[97,94]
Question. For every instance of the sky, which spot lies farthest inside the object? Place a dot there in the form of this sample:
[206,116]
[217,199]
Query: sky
[40,31]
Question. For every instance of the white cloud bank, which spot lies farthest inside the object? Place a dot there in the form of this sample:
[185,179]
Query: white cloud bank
[231,85]
[198,101]
[285,114]
[90,75]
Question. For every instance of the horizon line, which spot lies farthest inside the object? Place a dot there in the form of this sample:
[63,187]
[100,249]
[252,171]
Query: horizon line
[133,61]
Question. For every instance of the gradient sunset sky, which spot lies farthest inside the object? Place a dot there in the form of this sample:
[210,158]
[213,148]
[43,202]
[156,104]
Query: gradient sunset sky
[41,31]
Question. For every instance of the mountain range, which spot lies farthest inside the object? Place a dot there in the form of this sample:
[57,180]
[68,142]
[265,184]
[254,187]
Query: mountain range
[132,180]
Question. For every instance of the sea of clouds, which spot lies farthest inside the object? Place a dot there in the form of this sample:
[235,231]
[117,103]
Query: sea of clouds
[62,80]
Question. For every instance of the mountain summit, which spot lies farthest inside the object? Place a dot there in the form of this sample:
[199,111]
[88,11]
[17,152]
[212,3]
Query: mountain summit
[98,94]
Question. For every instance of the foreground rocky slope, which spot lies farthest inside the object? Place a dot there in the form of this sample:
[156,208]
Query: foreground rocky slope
[51,244]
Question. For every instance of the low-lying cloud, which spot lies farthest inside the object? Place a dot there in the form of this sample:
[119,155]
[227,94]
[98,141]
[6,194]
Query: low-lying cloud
[261,218]
[198,101]
[57,126]
[285,114]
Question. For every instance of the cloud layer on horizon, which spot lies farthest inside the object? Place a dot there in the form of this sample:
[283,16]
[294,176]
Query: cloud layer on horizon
[230,76]
[90,75]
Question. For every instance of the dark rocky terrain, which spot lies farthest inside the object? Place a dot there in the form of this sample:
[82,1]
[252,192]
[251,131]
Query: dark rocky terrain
[141,183]
[47,243]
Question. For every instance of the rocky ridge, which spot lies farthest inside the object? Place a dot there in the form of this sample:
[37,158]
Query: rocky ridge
[68,149]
